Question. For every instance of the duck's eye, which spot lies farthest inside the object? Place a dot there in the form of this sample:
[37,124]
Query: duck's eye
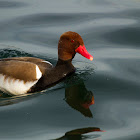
[72,41]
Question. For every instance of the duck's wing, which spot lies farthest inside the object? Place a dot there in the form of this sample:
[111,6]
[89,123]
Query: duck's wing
[17,77]
[21,70]
[42,64]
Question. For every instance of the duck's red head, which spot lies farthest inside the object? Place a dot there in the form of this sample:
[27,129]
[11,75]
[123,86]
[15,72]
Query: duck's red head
[69,44]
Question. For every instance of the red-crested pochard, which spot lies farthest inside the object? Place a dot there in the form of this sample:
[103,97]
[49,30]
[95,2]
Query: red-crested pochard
[20,75]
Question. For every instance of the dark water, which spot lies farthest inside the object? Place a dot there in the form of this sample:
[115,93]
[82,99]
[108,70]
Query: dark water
[111,32]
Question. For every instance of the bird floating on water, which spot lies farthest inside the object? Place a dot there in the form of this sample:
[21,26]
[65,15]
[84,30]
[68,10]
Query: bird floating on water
[21,75]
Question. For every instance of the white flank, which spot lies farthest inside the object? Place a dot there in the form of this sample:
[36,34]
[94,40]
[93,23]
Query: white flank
[14,86]
[38,73]
[47,62]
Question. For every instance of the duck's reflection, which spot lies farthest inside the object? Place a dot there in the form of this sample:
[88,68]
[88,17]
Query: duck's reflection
[77,134]
[79,98]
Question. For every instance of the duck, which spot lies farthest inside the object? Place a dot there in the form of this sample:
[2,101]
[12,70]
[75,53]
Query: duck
[22,75]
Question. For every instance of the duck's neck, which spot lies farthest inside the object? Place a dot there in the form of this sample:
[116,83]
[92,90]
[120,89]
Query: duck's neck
[64,67]
[63,62]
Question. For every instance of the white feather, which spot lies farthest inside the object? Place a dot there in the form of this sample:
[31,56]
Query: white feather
[15,86]
[38,73]
[47,62]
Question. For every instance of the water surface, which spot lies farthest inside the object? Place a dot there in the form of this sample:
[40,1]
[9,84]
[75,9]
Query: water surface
[101,95]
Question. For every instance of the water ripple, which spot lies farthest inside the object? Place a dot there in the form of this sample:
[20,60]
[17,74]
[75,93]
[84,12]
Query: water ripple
[13,4]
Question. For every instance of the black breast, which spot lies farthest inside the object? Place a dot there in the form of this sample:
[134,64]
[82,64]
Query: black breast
[54,75]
